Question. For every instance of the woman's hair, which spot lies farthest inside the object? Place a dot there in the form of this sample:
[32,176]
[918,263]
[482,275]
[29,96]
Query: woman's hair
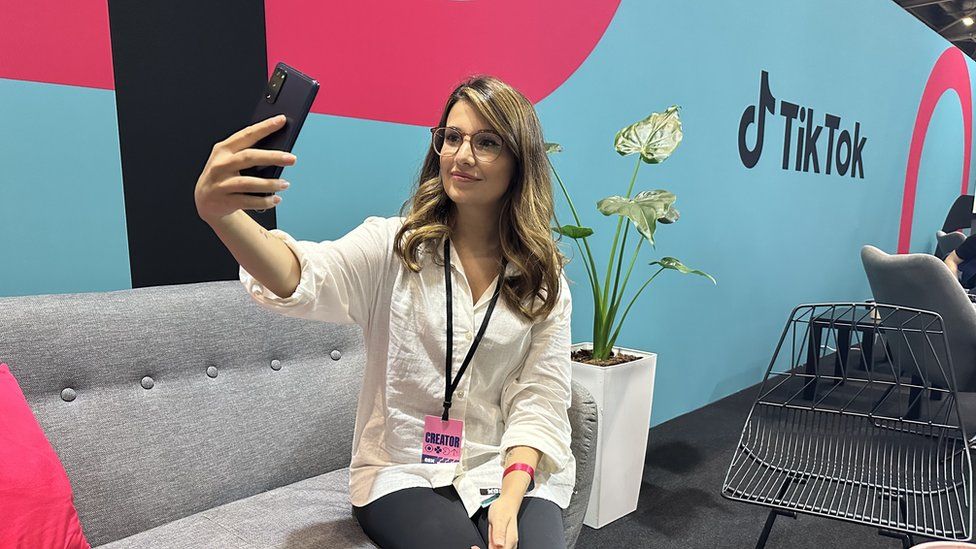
[526,208]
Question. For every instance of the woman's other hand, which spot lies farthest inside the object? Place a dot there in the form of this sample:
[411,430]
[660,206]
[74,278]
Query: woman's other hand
[503,523]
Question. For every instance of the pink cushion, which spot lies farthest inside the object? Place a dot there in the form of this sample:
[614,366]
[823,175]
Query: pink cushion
[36,508]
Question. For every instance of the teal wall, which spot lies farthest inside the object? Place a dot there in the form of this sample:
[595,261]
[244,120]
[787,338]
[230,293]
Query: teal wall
[773,238]
[62,219]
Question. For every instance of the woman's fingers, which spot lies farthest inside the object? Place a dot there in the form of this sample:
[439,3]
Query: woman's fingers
[248,184]
[254,133]
[497,536]
[248,202]
[511,537]
[248,158]
[502,534]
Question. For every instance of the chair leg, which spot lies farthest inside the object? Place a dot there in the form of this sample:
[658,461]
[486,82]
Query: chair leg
[906,539]
[812,368]
[770,519]
[907,542]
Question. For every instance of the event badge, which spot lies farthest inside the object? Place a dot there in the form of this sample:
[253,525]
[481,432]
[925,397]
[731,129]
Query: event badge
[442,440]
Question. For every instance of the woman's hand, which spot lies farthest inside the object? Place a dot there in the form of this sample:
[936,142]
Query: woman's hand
[503,523]
[221,187]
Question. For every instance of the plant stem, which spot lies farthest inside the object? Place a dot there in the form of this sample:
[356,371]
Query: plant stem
[633,179]
[572,208]
[615,305]
[591,271]
[580,248]
[605,330]
[616,278]
[616,332]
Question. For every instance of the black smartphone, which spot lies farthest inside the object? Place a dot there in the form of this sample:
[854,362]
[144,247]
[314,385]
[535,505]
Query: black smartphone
[289,92]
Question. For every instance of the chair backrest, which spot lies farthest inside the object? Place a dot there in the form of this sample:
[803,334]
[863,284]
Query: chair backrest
[923,282]
[947,242]
[960,215]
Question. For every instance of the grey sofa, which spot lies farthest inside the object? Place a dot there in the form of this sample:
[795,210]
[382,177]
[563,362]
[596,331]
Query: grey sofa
[188,416]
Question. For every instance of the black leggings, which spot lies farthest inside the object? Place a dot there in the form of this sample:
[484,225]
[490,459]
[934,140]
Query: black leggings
[415,518]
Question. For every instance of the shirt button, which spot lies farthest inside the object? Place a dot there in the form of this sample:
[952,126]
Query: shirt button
[461,393]
[467,335]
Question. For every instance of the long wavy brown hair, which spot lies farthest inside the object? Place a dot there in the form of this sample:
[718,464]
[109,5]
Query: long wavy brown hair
[526,208]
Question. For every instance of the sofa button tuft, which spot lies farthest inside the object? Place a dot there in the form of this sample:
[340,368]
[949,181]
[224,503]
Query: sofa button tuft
[335,354]
[148,383]
[276,364]
[211,371]
[68,394]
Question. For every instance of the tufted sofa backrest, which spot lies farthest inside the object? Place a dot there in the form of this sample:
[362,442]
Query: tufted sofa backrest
[166,401]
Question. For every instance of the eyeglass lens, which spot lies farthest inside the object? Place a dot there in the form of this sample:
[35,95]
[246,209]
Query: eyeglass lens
[486,145]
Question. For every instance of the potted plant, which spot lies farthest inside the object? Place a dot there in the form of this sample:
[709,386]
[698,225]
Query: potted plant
[622,380]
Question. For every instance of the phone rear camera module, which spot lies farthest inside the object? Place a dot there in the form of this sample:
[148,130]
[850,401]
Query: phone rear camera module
[274,87]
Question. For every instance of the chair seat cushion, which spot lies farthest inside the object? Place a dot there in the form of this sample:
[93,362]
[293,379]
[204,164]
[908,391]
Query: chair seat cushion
[311,513]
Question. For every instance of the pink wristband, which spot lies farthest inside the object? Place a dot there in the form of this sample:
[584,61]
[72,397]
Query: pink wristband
[522,467]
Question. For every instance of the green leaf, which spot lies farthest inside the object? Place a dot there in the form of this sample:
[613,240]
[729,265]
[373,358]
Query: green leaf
[655,137]
[644,210]
[669,216]
[673,264]
[573,231]
[552,148]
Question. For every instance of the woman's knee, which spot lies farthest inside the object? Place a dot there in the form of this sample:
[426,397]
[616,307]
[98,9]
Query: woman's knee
[540,525]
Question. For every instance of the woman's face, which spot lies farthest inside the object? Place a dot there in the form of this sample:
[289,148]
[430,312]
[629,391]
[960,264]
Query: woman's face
[489,180]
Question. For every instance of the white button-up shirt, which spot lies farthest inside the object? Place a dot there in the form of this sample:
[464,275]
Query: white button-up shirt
[515,392]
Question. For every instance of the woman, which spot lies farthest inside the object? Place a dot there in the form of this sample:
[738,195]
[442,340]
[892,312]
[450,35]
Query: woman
[463,409]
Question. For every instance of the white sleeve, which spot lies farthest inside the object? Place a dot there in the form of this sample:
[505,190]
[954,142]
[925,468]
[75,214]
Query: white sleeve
[340,279]
[536,403]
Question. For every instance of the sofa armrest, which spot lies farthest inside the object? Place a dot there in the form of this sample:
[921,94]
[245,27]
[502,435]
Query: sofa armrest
[583,419]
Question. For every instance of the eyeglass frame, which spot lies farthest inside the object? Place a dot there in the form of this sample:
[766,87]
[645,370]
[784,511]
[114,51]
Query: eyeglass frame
[433,134]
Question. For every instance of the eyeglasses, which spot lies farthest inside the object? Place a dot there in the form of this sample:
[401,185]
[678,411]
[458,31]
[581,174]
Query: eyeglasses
[487,145]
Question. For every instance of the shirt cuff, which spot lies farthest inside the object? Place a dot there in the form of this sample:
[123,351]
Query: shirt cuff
[302,295]
[555,452]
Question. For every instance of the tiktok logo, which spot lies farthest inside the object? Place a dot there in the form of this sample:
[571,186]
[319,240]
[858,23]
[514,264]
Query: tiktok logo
[843,153]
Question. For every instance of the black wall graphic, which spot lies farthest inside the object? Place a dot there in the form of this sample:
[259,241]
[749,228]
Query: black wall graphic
[188,73]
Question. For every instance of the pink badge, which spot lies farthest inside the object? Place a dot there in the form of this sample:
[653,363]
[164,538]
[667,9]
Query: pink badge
[442,440]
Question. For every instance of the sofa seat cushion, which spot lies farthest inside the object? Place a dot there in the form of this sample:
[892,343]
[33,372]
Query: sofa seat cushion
[310,513]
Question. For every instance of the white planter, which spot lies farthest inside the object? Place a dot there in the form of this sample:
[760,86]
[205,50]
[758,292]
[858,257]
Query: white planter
[623,394]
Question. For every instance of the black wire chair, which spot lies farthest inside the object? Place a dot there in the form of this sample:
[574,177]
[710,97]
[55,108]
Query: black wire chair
[858,419]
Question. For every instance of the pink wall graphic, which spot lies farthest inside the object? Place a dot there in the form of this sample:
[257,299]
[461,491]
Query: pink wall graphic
[385,60]
[57,42]
[396,61]
[949,73]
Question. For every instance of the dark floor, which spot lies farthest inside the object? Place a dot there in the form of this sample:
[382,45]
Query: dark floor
[681,505]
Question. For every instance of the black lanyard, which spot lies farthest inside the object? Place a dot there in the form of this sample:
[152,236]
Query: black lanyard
[450,386]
